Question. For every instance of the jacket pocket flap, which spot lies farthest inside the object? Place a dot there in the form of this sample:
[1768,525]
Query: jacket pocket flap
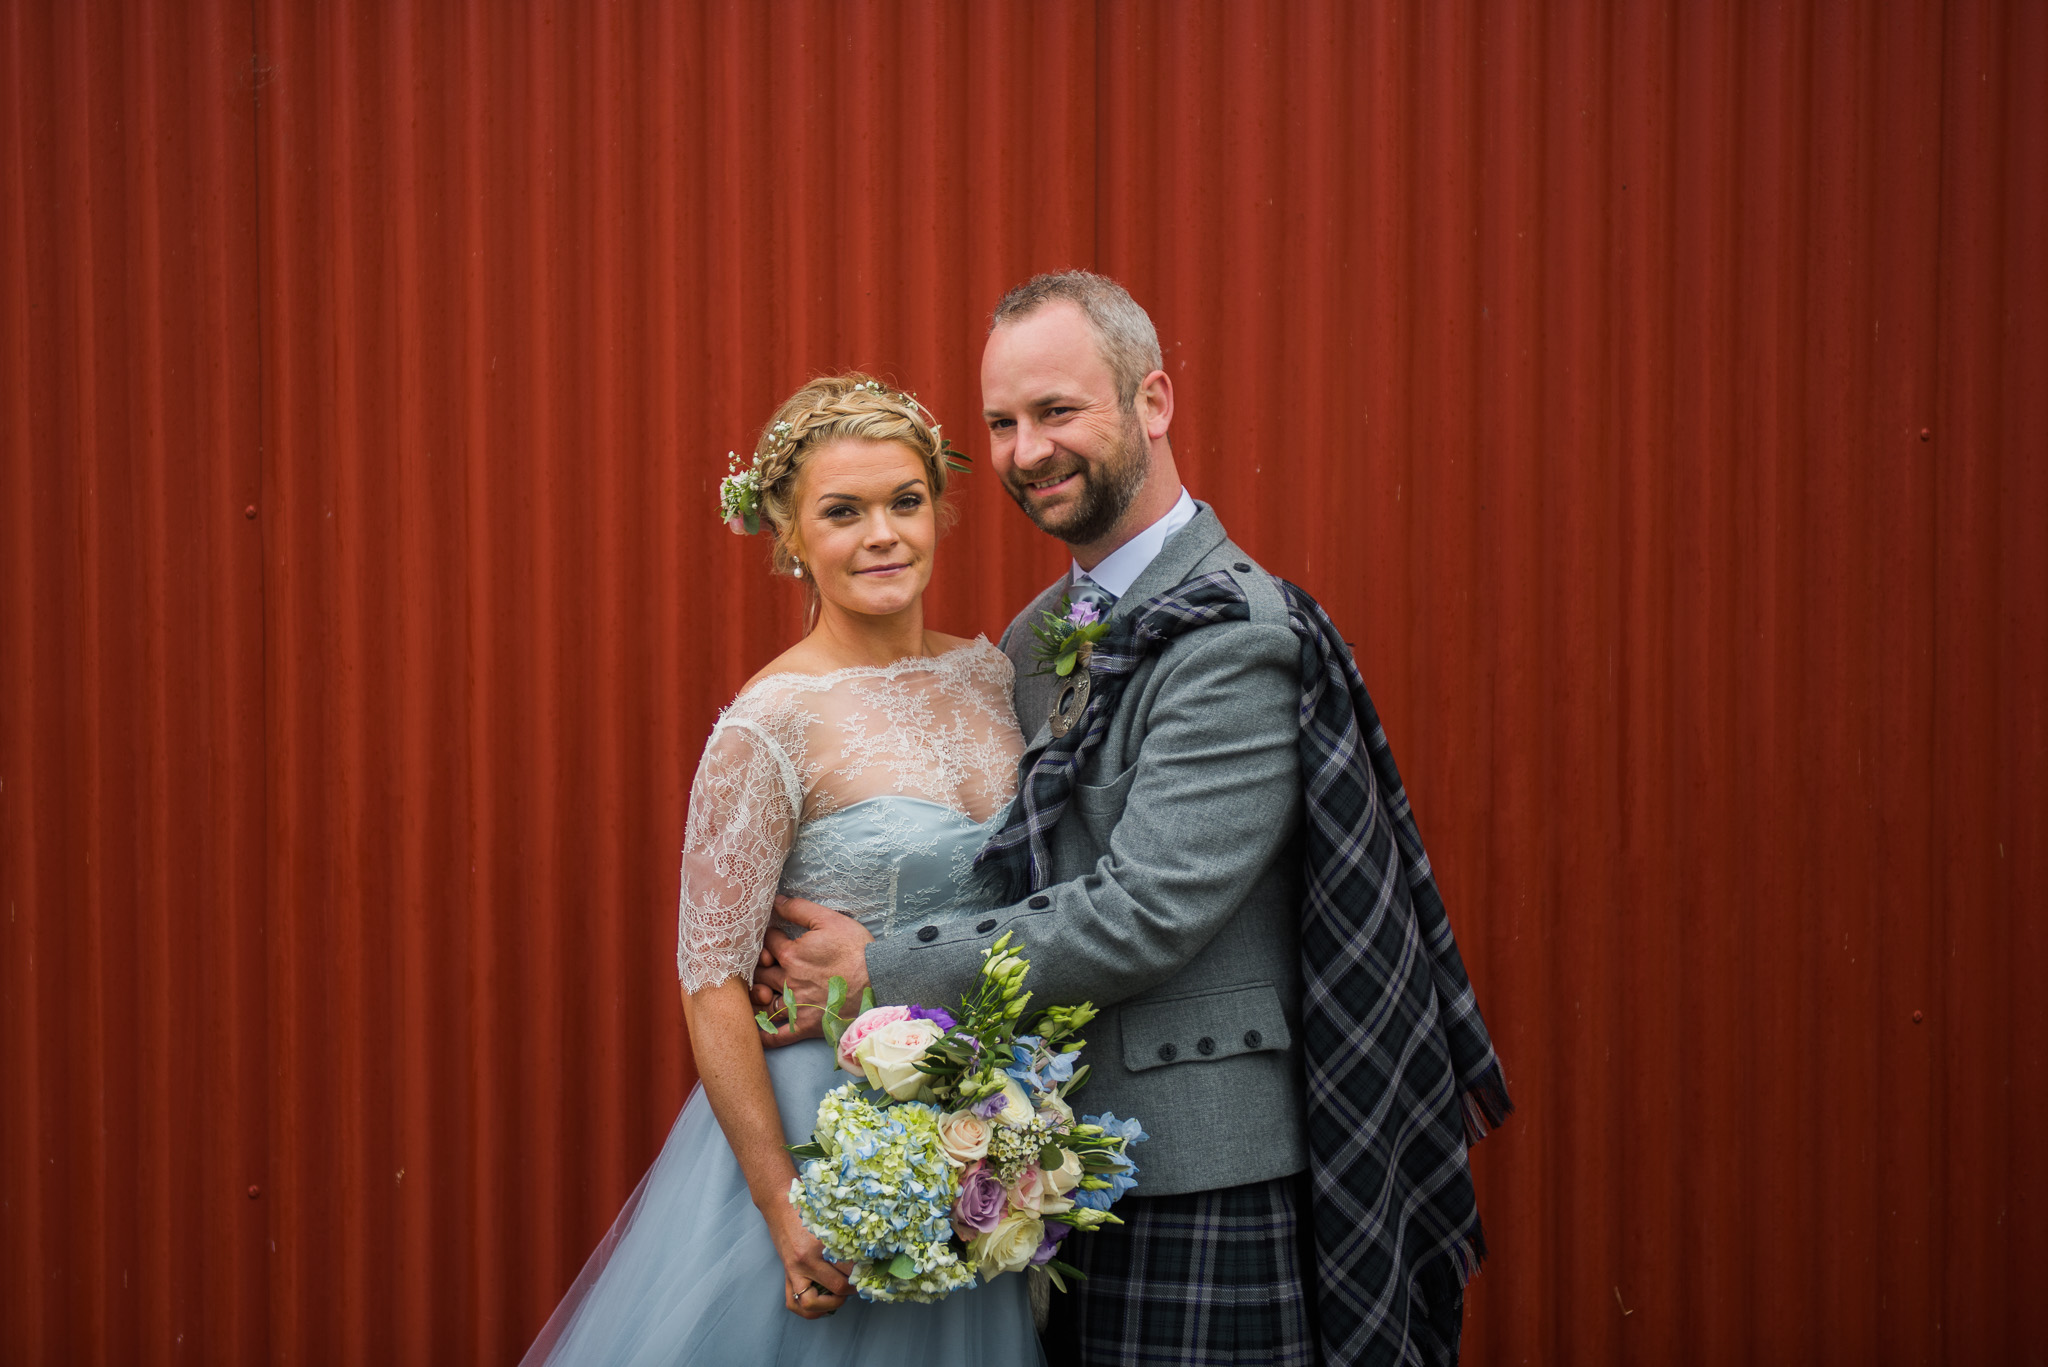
[1204,1026]
[1103,799]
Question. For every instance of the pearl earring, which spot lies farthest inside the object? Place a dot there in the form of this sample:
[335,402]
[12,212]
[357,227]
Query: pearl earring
[799,569]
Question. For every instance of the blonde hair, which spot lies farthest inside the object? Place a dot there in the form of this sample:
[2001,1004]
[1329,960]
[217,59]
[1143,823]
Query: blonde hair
[832,408]
[1124,334]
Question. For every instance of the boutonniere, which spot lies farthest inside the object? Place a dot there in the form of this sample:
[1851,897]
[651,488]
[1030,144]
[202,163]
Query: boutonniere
[1066,638]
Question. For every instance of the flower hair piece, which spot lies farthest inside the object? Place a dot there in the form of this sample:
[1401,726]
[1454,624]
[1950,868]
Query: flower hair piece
[739,492]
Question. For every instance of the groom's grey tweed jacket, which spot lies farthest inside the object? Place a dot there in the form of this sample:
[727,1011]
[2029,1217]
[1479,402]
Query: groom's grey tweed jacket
[1177,888]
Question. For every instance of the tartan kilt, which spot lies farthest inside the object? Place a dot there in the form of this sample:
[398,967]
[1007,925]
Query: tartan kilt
[1205,1279]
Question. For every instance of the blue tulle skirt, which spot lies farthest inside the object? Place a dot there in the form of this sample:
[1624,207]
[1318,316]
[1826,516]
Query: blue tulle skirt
[688,1274]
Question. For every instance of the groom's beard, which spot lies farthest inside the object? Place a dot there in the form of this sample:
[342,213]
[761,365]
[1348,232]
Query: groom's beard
[1107,488]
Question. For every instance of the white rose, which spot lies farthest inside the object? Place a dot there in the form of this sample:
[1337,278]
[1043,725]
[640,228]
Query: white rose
[1035,1192]
[1016,1104]
[1009,1246]
[1054,1109]
[1067,1175]
[890,1055]
[963,1135]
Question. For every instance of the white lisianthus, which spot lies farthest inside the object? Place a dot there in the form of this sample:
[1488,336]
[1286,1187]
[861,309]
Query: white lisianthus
[1067,1175]
[964,1135]
[890,1055]
[1009,1246]
[1054,1109]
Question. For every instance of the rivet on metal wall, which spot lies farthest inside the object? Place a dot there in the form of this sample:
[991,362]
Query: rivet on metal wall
[249,511]
[1927,434]
[1916,1018]
[255,1192]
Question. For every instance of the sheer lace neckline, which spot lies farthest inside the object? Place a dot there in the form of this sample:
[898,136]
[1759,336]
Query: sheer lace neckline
[887,671]
[920,744]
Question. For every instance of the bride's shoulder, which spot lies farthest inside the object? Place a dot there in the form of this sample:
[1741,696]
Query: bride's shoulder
[975,653]
[801,660]
[939,644]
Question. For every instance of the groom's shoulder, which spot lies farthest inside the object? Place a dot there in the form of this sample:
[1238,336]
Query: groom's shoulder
[1268,606]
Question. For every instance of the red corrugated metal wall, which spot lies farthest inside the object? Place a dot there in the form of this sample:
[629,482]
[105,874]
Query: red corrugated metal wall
[1658,394]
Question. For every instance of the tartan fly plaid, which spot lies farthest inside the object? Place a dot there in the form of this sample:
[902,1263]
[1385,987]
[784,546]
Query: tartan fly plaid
[1401,1074]
[1206,1279]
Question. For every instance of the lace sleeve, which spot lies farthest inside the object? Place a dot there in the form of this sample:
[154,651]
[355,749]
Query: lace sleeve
[743,814]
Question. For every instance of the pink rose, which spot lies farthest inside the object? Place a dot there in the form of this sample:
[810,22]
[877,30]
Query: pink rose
[963,1135]
[864,1025]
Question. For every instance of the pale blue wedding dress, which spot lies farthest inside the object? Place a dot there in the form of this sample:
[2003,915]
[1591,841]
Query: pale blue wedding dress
[869,790]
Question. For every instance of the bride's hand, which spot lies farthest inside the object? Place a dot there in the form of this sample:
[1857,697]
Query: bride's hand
[812,1284]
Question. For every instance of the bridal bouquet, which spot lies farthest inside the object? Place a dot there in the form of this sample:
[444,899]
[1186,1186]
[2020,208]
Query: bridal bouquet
[958,1152]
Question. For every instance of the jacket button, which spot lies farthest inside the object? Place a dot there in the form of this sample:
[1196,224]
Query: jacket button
[1253,1039]
[986,926]
[1167,1053]
[1242,568]
[1039,903]
[1205,1045]
[928,933]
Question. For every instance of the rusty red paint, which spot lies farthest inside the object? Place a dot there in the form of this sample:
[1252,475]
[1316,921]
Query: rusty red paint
[1586,360]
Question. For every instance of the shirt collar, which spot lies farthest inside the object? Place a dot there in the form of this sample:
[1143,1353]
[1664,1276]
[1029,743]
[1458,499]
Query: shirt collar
[1122,566]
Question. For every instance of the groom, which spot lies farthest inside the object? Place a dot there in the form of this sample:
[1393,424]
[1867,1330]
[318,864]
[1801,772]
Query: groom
[1174,890]
[1218,851]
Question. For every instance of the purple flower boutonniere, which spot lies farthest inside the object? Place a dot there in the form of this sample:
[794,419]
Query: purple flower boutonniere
[1065,637]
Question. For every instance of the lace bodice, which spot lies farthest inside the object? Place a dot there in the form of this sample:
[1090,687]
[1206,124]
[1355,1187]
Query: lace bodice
[867,789]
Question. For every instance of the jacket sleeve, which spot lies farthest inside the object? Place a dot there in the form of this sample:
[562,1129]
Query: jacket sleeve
[1212,796]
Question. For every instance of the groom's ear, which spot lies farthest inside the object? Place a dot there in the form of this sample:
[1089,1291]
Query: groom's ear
[1154,403]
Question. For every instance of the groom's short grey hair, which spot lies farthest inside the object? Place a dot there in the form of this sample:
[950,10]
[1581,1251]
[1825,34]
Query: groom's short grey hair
[1123,331]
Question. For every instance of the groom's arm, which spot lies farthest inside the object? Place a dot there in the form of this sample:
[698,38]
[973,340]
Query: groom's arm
[1215,793]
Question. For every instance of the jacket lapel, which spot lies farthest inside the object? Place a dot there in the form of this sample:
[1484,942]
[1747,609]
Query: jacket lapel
[1034,693]
[1176,559]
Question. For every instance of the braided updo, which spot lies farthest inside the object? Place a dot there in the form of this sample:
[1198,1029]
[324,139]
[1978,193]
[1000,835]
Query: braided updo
[832,408]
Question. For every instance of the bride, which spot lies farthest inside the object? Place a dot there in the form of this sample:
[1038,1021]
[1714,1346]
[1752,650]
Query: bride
[862,769]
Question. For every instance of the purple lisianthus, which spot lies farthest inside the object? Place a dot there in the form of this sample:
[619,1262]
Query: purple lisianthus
[988,1107]
[1083,613]
[1054,1232]
[935,1014]
[980,1204]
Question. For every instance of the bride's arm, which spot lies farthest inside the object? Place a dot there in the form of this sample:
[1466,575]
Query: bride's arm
[743,814]
[735,1077]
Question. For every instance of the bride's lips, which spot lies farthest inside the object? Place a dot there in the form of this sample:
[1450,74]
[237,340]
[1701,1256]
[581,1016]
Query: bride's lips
[884,569]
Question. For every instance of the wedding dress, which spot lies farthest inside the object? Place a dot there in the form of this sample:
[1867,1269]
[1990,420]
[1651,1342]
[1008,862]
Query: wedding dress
[868,790]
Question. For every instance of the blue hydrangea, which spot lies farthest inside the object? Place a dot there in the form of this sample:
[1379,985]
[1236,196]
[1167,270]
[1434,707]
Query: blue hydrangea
[885,1189]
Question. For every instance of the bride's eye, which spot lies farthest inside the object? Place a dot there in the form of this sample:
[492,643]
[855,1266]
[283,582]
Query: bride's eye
[909,503]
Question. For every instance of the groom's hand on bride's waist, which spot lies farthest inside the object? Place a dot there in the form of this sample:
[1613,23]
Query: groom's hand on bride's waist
[831,946]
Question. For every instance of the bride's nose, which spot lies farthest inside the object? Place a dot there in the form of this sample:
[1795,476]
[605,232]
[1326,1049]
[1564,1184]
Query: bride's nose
[879,530]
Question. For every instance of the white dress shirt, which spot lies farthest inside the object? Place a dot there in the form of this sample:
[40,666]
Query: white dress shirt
[1122,566]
